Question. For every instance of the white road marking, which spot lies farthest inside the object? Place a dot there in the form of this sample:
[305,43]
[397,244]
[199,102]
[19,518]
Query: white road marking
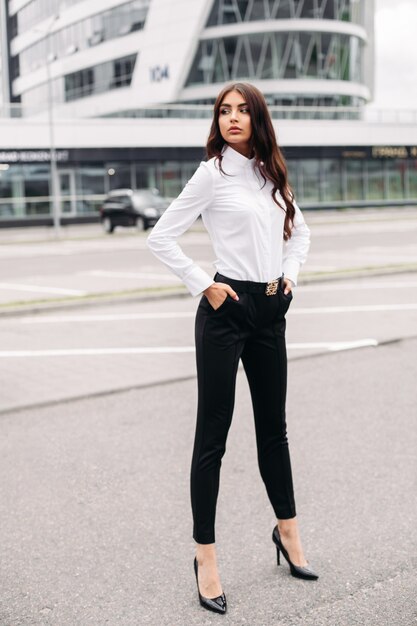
[356,286]
[135,275]
[327,345]
[94,351]
[106,318]
[189,314]
[334,345]
[41,289]
[321,268]
[360,308]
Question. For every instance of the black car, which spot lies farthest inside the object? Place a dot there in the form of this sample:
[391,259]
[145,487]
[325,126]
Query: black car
[132,207]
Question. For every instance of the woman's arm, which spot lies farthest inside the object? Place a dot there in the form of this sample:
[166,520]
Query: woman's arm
[297,247]
[178,217]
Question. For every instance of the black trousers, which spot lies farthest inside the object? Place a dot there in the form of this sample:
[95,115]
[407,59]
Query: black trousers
[251,329]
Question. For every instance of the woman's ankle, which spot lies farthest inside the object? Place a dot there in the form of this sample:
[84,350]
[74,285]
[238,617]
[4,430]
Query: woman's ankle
[206,553]
[288,527]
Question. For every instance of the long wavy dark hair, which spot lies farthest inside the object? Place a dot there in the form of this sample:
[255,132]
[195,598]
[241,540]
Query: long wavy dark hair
[263,145]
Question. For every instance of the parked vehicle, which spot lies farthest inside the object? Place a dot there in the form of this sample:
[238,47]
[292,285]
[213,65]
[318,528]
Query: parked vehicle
[132,207]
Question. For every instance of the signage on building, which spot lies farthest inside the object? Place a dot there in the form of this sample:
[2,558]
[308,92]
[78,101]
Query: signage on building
[394,152]
[158,73]
[32,156]
[354,154]
[381,152]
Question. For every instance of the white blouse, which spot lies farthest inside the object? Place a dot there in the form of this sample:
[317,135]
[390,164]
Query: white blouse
[244,223]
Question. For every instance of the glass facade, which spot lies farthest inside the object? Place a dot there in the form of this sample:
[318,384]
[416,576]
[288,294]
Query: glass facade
[92,31]
[87,82]
[278,55]
[24,190]
[234,11]
[332,182]
[38,10]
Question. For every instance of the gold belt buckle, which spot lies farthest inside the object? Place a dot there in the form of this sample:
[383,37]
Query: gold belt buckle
[271,287]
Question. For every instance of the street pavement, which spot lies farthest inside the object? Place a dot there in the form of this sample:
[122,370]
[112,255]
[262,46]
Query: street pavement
[97,417]
[87,266]
[55,355]
[96,520]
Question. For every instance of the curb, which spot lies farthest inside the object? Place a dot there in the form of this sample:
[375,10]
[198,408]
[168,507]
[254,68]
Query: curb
[181,292]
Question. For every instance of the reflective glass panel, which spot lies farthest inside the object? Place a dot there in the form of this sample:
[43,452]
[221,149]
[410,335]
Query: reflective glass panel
[146,176]
[355,187]
[90,187]
[170,179]
[412,179]
[331,180]
[397,178]
[119,175]
[376,180]
[309,171]
[278,55]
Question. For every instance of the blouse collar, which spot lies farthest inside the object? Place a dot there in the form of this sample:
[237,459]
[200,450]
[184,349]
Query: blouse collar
[232,155]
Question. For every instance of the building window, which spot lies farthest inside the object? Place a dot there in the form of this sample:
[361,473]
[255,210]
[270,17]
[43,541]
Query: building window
[90,189]
[24,191]
[122,71]
[38,10]
[87,82]
[324,56]
[99,79]
[331,180]
[397,179]
[92,31]
[235,11]
[355,183]
[309,177]
[120,175]
[79,84]
[376,180]
[412,179]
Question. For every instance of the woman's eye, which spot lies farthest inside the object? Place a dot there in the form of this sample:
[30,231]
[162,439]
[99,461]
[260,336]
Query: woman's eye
[227,111]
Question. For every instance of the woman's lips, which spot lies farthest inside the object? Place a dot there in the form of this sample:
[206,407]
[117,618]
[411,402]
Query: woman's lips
[235,130]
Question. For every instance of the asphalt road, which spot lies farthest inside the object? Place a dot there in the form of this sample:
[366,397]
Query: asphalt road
[85,263]
[68,353]
[97,415]
[96,521]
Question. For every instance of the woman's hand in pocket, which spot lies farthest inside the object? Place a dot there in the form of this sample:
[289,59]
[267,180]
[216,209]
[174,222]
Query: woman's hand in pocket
[217,293]
[288,285]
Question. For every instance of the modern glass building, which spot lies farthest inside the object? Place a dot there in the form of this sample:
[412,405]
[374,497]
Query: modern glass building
[312,52]
[146,72]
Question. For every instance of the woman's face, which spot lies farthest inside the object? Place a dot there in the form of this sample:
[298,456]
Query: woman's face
[234,121]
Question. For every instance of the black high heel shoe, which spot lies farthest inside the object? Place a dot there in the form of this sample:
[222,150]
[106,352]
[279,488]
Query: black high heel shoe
[296,570]
[218,605]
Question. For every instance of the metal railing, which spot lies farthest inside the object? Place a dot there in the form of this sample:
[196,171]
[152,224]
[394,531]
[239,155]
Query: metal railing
[42,206]
[205,111]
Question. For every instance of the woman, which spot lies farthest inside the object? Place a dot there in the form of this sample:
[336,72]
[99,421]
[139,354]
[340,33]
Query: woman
[260,240]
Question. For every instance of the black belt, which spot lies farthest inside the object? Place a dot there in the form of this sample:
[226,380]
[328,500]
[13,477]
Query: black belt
[249,286]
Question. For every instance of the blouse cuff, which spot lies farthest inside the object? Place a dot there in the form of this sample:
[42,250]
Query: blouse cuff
[197,281]
[291,267]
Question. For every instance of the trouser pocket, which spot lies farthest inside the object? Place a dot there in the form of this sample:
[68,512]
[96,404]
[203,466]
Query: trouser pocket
[286,300]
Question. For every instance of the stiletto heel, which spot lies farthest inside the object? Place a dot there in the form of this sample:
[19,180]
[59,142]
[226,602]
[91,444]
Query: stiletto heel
[299,572]
[218,605]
